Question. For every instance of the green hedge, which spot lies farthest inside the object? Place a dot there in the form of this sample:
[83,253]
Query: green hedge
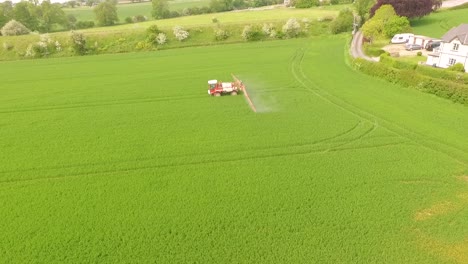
[456,92]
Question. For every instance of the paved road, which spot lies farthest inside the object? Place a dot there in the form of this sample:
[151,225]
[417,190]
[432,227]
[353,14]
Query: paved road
[452,3]
[356,48]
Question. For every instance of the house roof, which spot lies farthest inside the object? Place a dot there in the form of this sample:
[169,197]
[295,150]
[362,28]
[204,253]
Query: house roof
[460,32]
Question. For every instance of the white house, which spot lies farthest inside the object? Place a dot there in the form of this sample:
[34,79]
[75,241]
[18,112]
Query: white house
[453,49]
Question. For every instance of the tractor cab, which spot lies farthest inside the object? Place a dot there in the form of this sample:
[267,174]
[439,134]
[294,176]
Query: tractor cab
[212,84]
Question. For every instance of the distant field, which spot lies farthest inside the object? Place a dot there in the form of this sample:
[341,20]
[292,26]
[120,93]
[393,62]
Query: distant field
[126,159]
[130,10]
[437,24]
[237,17]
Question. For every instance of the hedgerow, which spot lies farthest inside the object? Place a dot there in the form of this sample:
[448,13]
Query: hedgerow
[408,77]
[86,42]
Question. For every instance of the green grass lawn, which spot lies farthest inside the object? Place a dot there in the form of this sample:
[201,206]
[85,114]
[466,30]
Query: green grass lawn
[437,24]
[125,158]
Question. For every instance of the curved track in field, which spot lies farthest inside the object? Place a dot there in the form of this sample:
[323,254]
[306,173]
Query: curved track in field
[296,69]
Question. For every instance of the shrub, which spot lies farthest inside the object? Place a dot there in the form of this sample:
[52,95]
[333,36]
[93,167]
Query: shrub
[84,24]
[29,51]
[58,46]
[458,67]
[78,42]
[128,20]
[249,33]
[306,23]
[153,29]
[325,19]
[306,3]
[7,46]
[221,34]
[343,22]
[180,33]
[161,39]
[138,18]
[419,53]
[143,45]
[14,28]
[40,49]
[267,28]
[214,20]
[292,28]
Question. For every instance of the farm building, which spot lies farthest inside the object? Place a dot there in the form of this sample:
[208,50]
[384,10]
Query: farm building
[453,49]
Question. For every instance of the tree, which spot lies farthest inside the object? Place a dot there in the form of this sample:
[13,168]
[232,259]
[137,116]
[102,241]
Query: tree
[26,13]
[396,25]
[160,9]
[71,3]
[363,8]
[343,22]
[385,23]
[436,4]
[51,14]
[14,28]
[6,12]
[409,9]
[106,13]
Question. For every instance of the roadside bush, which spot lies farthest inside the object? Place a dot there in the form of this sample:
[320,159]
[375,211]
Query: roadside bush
[250,33]
[343,22]
[443,74]
[14,28]
[396,63]
[419,54]
[221,34]
[458,67]
[410,78]
[292,28]
[84,24]
[180,33]
[78,42]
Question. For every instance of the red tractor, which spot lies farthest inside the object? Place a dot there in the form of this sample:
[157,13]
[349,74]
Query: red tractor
[219,88]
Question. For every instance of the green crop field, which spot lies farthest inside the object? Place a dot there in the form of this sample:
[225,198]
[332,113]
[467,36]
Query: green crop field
[126,159]
[129,10]
[437,24]
[241,16]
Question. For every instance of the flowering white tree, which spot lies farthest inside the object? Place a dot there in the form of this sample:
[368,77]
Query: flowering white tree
[14,28]
[180,33]
[161,38]
[247,32]
[267,28]
[292,28]
[58,46]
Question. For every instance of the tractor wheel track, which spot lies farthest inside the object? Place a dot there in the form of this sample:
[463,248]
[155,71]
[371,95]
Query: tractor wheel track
[417,138]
